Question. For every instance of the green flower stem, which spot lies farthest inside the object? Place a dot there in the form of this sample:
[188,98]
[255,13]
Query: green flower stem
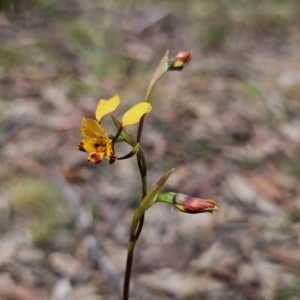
[140,129]
[134,234]
[166,198]
[143,171]
[140,226]
[129,260]
[137,224]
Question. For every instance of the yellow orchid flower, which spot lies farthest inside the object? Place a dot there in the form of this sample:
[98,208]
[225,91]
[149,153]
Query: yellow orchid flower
[98,143]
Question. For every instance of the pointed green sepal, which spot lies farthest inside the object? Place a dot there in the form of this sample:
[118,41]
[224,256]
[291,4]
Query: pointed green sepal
[159,72]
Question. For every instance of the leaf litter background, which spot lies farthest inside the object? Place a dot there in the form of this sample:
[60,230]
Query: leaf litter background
[229,124]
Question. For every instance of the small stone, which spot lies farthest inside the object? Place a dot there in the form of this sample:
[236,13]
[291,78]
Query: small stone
[65,263]
[62,290]
[6,280]
[30,255]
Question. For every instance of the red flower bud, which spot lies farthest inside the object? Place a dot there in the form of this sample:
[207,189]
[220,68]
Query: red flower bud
[177,63]
[193,205]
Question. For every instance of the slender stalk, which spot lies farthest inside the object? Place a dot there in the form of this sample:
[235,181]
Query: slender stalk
[137,224]
[140,129]
[135,233]
[118,134]
[143,170]
[140,227]
[129,260]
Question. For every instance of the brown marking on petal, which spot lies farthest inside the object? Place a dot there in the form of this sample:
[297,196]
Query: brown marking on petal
[100,148]
[81,146]
[95,158]
[112,158]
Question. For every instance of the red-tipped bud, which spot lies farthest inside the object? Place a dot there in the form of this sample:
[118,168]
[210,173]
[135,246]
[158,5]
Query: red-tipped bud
[193,205]
[177,63]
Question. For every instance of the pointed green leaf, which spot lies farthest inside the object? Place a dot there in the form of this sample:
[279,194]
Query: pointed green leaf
[160,71]
[149,200]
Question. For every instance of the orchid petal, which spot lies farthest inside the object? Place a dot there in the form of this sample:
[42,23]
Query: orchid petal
[92,129]
[135,113]
[96,157]
[107,106]
[88,145]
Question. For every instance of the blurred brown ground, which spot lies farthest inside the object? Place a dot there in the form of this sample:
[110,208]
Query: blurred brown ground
[229,124]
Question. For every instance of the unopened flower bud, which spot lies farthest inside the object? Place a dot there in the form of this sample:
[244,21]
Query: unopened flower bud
[193,205]
[177,63]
